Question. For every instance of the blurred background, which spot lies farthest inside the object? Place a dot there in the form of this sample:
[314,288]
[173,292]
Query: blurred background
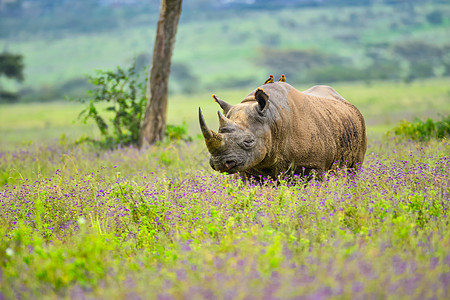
[383,47]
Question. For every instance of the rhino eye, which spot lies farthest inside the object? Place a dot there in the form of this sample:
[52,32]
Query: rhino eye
[248,143]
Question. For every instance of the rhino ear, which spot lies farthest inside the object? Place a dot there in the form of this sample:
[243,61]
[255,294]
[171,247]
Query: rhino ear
[263,100]
[225,106]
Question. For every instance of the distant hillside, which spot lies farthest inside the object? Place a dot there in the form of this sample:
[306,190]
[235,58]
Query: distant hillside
[235,45]
[51,17]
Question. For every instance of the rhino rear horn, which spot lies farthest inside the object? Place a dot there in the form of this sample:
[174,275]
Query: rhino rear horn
[225,106]
[224,121]
[263,99]
[213,140]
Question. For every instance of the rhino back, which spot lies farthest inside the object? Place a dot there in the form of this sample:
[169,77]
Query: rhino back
[324,91]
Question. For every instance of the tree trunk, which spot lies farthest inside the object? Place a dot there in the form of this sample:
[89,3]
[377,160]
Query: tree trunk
[154,124]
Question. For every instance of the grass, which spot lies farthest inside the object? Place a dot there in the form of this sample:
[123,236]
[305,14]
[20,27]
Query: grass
[159,223]
[388,102]
[41,123]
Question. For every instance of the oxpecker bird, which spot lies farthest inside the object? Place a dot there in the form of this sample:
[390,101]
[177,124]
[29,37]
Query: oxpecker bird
[270,80]
[282,78]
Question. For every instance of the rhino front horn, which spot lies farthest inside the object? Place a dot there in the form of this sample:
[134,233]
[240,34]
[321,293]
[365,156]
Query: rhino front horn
[224,121]
[213,140]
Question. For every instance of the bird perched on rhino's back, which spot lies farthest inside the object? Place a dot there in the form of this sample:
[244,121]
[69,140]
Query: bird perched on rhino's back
[282,78]
[277,130]
[270,79]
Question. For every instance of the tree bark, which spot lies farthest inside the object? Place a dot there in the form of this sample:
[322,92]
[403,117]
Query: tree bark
[154,124]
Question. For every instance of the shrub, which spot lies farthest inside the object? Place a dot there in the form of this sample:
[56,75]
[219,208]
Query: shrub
[125,95]
[177,132]
[11,66]
[423,131]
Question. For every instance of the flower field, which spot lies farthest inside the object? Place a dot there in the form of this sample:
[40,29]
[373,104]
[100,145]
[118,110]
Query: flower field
[159,224]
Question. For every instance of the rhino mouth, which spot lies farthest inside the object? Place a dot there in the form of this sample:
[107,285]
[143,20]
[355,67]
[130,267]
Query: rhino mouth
[229,166]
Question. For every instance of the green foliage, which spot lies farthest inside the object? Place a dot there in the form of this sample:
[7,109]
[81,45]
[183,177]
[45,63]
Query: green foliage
[11,66]
[177,132]
[124,93]
[423,130]
[8,97]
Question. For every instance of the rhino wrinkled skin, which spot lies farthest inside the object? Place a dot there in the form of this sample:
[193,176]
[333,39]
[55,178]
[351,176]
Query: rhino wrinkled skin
[277,130]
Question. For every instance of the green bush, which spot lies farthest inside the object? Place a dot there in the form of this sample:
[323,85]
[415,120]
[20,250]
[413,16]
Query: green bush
[11,66]
[125,95]
[177,132]
[423,130]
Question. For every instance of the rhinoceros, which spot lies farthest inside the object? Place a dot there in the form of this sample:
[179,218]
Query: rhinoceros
[277,130]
